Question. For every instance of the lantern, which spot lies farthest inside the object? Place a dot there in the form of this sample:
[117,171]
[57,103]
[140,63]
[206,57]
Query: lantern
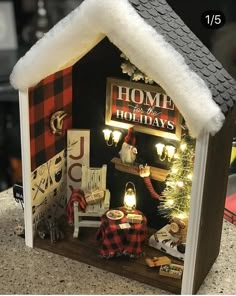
[130,197]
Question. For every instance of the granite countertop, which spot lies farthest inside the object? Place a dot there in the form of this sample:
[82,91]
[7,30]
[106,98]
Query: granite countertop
[34,271]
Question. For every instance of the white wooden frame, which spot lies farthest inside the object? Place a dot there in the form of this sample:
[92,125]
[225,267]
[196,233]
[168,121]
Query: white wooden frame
[201,151]
[26,166]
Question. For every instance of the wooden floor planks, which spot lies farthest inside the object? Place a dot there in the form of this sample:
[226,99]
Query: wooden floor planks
[86,249]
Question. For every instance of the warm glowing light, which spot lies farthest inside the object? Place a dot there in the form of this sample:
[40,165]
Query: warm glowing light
[165,151]
[160,148]
[107,134]
[176,156]
[130,197]
[190,176]
[180,184]
[170,202]
[181,216]
[176,196]
[174,170]
[116,136]
[170,151]
[183,147]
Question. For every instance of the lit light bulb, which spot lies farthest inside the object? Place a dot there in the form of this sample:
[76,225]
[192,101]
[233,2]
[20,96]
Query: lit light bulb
[190,176]
[174,170]
[116,136]
[170,152]
[181,216]
[107,134]
[176,156]
[180,184]
[183,147]
[130,197]
[170,202]
[160,148]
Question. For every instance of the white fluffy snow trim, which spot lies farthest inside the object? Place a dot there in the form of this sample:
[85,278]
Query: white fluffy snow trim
[81,30]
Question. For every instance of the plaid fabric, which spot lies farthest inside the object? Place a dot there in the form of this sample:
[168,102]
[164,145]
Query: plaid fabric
[165,114]
[78,196]
[116,241]
[52,94]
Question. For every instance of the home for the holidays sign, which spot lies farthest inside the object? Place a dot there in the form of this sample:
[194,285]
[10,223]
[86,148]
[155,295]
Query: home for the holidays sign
[146,107]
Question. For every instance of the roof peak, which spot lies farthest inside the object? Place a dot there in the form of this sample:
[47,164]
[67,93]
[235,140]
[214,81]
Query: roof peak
[137,36]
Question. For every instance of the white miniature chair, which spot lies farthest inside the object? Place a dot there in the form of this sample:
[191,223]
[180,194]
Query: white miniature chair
[92,179]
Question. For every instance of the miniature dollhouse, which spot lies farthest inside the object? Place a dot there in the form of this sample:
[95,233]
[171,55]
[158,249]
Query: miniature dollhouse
[74,82]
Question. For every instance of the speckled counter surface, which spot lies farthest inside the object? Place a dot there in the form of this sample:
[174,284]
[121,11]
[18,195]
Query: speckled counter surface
[33,271]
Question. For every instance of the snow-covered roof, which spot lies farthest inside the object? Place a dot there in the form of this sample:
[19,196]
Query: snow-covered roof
[155,39]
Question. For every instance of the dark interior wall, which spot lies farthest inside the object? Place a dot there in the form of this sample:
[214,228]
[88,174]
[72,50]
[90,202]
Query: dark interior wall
[89,101]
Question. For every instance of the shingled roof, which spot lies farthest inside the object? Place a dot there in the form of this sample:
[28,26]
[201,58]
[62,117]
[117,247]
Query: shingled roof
[162,17]
[155,39]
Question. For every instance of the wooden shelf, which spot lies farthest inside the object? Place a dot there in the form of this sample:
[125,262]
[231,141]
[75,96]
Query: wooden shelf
[156,173]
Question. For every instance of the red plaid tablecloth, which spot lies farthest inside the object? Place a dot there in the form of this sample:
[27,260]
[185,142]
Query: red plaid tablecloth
[116,241]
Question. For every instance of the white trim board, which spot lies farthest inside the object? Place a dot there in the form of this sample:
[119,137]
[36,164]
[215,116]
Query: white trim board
[201,152]
[26,165]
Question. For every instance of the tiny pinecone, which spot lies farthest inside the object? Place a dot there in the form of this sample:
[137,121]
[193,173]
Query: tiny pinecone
[131,70]
[175,199]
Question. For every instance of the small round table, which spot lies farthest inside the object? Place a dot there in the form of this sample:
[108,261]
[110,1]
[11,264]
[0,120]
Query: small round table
[117,239]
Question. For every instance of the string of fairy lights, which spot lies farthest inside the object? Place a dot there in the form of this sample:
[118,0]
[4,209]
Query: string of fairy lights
[175,199]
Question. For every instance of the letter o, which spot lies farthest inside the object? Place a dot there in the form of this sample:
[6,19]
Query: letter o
[139,98]
[70,172]
[128,116]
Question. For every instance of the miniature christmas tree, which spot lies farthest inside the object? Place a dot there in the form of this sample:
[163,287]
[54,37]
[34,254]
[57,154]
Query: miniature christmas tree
[175,199]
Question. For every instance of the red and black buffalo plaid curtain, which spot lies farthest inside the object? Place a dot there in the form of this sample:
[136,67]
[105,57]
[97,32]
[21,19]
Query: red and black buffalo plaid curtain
[51,95]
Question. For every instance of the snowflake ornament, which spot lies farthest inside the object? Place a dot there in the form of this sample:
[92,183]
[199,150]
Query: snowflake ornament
[124,56]
[128,68]
[135,74]
[148,80]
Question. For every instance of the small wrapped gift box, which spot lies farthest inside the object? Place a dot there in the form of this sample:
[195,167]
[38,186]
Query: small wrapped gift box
[157,261]
[172,270]
[94,197]
[134,218]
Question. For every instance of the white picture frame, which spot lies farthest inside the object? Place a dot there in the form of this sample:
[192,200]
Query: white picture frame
[8,36]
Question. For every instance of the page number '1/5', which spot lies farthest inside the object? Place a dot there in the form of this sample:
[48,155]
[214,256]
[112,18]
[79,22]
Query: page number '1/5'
[213,19]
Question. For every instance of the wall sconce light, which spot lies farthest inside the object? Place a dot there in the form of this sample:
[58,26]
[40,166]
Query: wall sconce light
[165,151]
[130,197]
[111,137]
